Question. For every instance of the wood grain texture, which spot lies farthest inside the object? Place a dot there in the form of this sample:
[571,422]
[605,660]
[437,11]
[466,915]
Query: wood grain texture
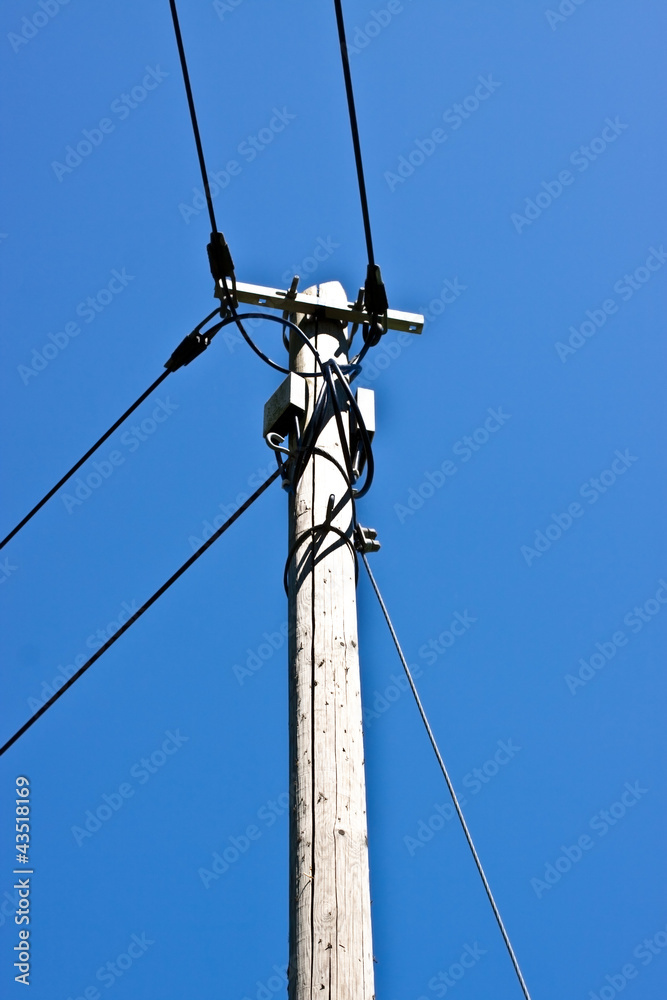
[331,954]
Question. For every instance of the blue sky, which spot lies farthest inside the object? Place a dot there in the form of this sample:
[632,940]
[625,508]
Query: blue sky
[515,163]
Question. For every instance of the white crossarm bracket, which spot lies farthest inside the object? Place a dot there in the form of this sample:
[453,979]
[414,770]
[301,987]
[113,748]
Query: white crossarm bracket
[299,302]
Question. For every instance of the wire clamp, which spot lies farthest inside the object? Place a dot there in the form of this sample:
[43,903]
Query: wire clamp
[375,300]
[366,540]
[222,265]
[189,348]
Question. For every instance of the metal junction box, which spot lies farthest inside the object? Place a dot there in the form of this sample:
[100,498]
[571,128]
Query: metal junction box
[366,403]
[288,399]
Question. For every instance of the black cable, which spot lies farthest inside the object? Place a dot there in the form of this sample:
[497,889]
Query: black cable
[237,318]
[365,437]
[450,786]
[362,353]
[355,131]
[193,344]
[81,461]
[307,448]
[311,531]
[151,600]
[189,348]
[309,438]
[219,255]
[292,469]
[351,368]
[338,417]
[193,114]
[375,295]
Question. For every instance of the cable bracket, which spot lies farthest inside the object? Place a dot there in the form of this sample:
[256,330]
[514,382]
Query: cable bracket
[365,540]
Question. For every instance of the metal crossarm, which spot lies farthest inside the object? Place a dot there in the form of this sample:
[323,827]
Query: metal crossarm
[298,302]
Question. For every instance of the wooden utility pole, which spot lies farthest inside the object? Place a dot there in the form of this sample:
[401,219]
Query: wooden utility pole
[331,953]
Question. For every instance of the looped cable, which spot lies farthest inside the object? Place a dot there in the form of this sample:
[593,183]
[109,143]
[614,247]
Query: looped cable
[278,449]
[311,531]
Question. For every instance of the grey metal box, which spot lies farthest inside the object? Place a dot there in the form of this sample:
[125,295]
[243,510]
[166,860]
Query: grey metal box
[288,399]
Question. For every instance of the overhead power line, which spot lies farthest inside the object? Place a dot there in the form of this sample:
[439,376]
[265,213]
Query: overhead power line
[83,459]
[220,258]
[355,130]
[375,294]
[190,347]
[193,114]
[144,607]
[450,786]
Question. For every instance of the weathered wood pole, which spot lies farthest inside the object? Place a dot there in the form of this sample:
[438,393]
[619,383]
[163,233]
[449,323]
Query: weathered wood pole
[331,954]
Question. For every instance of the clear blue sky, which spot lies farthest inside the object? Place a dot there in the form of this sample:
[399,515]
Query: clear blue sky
[515,167]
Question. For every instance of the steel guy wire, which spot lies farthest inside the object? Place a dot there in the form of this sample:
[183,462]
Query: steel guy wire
[448,781]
